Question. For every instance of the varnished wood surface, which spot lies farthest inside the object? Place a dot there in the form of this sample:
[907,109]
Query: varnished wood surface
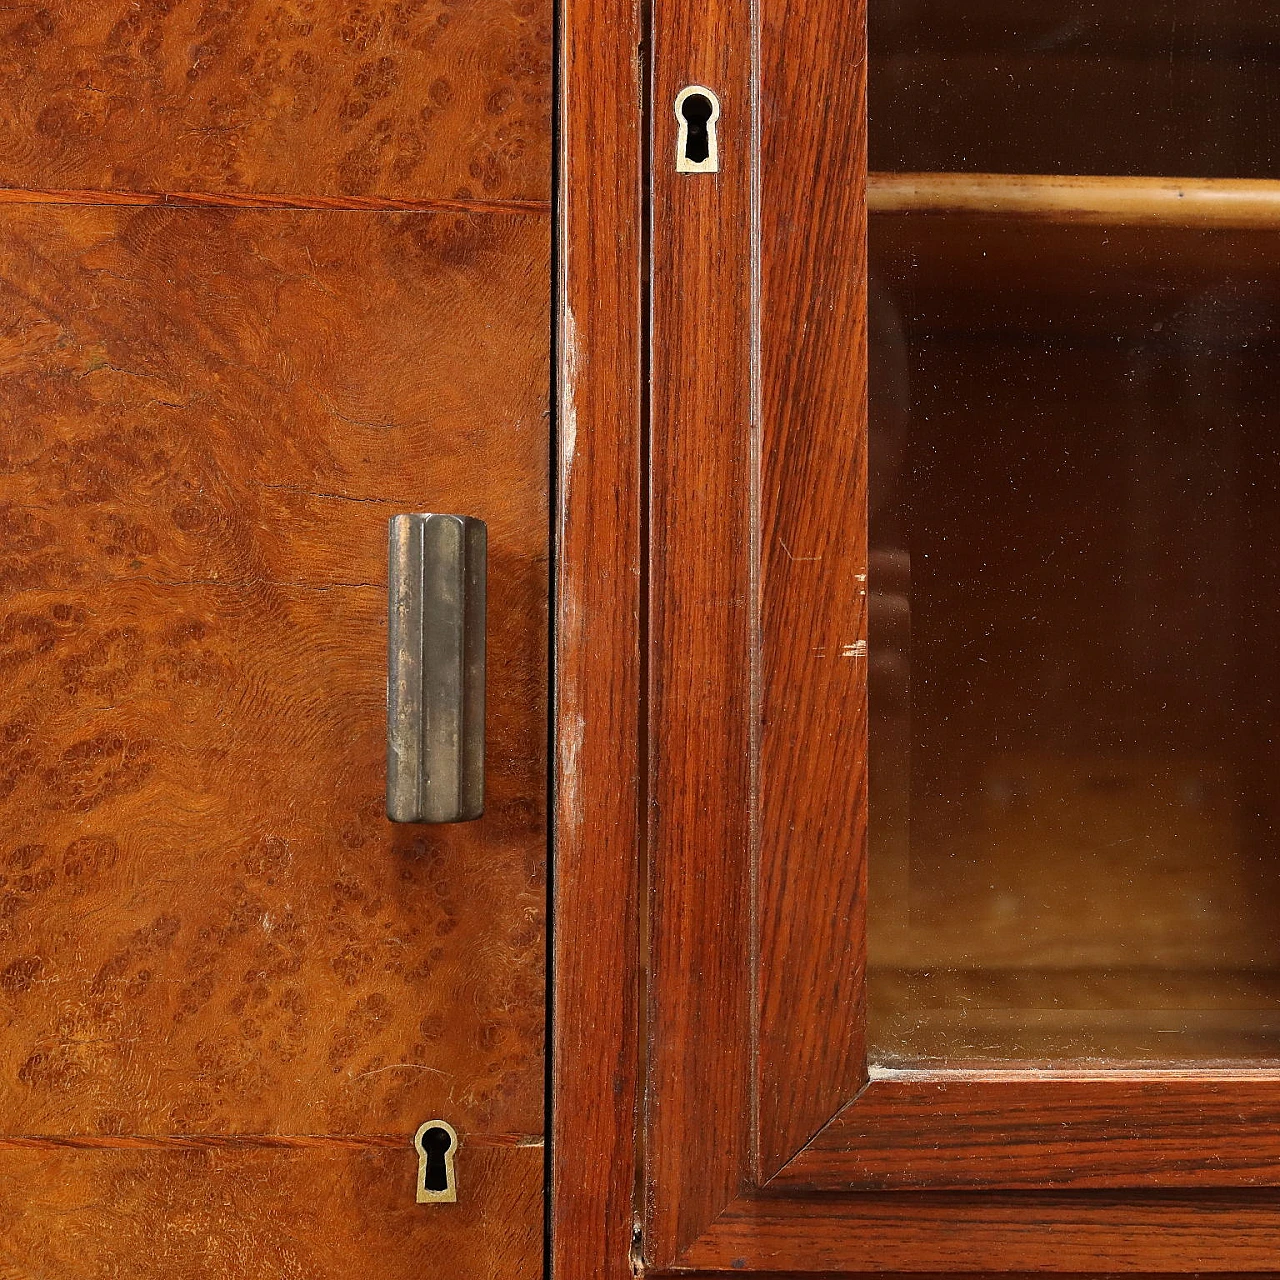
[812,574]
[717,558]
[702,614]
[600,375]
[757,641]
[266,1215]
[1229,204]
[1026,1129]
[954,1232]
[243,1141]
[757,1274]
[698,965]
[810,407]
[356,97]
[257,200]
[271,273]
[208,926]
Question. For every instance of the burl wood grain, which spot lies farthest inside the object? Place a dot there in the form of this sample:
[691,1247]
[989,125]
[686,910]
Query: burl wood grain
[207,925]
[306,97]
[266,1215]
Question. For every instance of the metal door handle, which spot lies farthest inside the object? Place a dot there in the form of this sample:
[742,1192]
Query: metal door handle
[435,668]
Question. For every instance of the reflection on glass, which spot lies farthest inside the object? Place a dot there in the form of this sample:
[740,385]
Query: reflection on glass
[1075,532]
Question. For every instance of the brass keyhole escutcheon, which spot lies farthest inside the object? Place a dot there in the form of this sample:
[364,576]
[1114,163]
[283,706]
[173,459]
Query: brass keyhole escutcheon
[697,149]
[436,1143]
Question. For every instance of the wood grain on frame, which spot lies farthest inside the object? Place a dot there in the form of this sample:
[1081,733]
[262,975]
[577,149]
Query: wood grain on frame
[994,1232]
[812,571]
[723,501]
[700,654]
[1075,1176]
[1019,1129]
[596,1017]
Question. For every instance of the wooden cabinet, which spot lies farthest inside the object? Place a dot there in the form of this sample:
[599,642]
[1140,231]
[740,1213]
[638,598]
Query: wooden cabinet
[953,946]
[915,708]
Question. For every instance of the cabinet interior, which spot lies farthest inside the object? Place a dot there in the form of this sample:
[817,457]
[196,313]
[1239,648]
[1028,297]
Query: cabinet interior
[1075,514]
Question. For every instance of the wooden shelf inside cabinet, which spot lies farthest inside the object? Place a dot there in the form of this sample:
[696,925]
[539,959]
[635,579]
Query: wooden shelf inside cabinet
[1184,203]
[1073,254]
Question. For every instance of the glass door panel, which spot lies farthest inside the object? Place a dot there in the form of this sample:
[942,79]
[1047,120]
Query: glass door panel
[1075,532]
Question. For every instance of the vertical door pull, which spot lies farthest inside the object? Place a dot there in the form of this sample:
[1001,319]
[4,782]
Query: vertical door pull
[435,668]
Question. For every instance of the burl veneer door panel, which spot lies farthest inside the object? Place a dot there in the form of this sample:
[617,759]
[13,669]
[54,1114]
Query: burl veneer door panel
[263,1215]
[392,98]
[207,925]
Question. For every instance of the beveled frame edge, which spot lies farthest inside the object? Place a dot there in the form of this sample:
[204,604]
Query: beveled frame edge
[1069,1129]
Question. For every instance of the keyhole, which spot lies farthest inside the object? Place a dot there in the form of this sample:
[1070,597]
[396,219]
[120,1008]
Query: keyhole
[436,1143]
[697,110]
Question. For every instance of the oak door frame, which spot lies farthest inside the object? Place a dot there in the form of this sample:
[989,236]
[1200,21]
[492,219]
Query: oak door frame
[712,1109]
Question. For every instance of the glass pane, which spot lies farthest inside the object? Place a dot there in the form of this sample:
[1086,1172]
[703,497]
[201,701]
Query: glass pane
[1075,530]
[1186,87]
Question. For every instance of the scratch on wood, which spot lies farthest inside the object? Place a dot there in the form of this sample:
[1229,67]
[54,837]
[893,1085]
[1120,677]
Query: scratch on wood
[568,406]
[797,559]
[403,1066]
[574,729]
